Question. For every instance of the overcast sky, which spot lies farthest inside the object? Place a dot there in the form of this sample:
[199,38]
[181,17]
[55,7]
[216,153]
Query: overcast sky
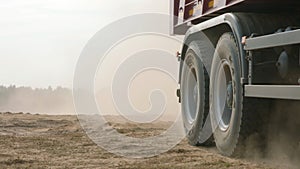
[41,40]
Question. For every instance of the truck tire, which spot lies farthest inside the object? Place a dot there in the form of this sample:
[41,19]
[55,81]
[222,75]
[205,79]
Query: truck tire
[233,117]
[194,98]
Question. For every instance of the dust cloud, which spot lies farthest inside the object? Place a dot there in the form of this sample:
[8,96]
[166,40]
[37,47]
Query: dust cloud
[283,133]
[279,144]
[50,101]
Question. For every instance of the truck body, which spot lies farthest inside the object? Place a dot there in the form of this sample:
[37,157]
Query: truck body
[186,12]
[254,58]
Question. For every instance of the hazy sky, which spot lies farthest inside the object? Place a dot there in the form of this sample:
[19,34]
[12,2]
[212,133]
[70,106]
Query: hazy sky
[41,40]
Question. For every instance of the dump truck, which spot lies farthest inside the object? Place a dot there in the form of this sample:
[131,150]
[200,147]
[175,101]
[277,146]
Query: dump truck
[242,54]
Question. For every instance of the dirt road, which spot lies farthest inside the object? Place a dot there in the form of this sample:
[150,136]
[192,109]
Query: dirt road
[40,141]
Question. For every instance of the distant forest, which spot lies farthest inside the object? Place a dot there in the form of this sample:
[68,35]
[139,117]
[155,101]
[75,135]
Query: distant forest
[43,101]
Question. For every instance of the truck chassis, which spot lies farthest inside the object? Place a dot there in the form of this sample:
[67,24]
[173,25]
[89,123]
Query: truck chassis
[257,48]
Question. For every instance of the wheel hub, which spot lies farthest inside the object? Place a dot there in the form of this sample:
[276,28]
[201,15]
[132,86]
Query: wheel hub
[195,93]
[223,95]
[229,97]
[190,94]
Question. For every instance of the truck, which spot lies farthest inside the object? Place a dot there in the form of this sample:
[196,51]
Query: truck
[241,54]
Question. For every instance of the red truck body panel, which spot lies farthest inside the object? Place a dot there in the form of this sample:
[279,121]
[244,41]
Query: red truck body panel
[187,12]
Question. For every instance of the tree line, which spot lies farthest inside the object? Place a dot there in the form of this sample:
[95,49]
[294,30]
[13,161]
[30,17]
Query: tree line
[39,100]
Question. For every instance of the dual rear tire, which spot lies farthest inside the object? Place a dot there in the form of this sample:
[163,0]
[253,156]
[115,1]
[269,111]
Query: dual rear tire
[233,118]
[226,97]
[194,98]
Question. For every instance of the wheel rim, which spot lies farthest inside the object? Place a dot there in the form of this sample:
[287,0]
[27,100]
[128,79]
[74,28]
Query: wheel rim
[190,95]
[223,95]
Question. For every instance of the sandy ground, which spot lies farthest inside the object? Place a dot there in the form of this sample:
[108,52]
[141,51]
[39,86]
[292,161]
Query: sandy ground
[40,141]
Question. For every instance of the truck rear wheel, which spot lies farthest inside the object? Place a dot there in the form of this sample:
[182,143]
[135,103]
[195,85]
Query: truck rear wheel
[233,117]
[194,97]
